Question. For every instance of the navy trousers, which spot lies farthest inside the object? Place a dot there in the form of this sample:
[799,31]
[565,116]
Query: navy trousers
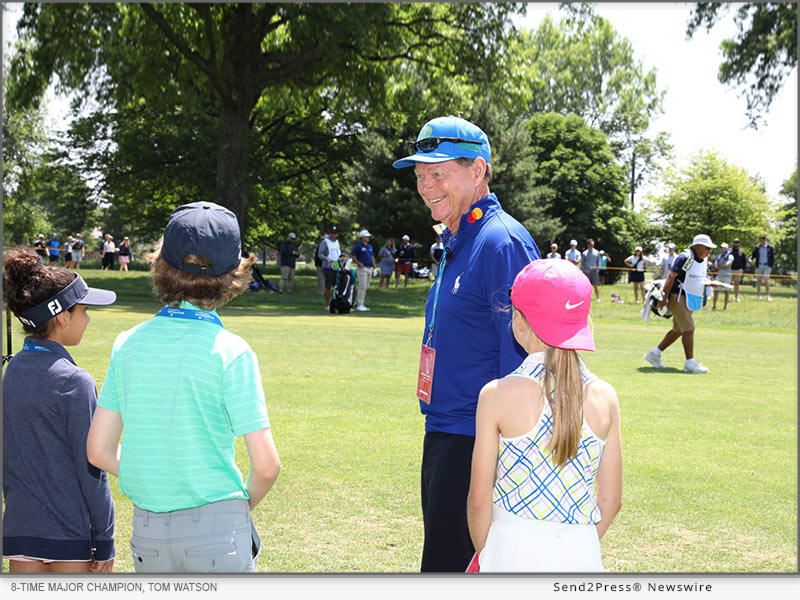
[446,466]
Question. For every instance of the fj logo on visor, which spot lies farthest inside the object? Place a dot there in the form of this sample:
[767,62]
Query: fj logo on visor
[54,307]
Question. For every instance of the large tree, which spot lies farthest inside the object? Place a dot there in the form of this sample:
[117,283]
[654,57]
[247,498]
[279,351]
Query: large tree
[786,234]
[714,197]
[25,144]
[580,64]
[581,184]
[761,55]
[242,65]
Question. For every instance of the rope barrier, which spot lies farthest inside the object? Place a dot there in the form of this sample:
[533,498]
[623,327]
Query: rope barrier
[772,276]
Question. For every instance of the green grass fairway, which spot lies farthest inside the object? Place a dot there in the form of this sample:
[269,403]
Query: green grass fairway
[710,461]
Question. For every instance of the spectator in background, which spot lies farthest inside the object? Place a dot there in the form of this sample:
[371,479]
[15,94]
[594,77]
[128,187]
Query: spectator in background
[604,260]
[363,255]
[125,254]
[386,254]
[320,273]
[77,251]
[666,263]
[737,268]
[405,256]
[763,257]
[723,265]
[288,258]
[107,258]
[437,249]
[554,253]
[41,248]
[638,263]
[329,251]
[68,252]
[573,255]
[53,249]
[590,265]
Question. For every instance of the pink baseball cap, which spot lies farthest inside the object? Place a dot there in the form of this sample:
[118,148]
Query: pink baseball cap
[555,297]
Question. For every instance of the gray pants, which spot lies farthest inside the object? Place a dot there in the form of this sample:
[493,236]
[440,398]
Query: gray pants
[214,538]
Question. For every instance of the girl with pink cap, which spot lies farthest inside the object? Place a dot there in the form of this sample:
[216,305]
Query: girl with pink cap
[547,465]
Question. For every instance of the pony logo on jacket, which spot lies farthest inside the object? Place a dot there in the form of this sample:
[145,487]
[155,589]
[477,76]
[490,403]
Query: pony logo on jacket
[457,284]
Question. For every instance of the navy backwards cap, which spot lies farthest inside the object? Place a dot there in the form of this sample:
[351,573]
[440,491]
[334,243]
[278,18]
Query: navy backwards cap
[466,140]
[204,229]
[76,292]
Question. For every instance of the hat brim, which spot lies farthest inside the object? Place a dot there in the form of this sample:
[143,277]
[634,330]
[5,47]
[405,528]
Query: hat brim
[428,157]
[97,297]
[569,336]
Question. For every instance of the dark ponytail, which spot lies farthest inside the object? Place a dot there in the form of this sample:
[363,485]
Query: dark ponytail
[27,283]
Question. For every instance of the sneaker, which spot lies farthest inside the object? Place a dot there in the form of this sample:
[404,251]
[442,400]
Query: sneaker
[769,298]
[759,298]
[713,308]
[361,307]
[736,299]
[692,366]
[654,359]
[328,307]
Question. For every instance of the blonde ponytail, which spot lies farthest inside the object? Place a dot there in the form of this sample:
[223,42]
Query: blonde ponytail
[564,390]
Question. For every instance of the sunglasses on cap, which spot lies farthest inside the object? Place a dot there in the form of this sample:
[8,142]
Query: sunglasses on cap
[431,144]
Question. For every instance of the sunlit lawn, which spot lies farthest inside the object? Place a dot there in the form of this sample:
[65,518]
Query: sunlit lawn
[710,461]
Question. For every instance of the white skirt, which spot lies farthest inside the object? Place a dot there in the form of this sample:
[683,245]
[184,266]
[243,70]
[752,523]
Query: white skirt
[516,544]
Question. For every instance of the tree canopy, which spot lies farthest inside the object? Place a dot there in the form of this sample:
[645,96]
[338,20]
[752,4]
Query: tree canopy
[178,102]
[761,55]
[785,241]
[288,79]
[582,65]
[713,197]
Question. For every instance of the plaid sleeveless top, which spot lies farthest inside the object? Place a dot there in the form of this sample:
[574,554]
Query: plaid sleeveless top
[529,485]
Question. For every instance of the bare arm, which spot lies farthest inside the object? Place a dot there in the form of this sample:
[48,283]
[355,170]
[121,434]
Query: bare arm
[102,443]
[264,464]
[484,467]
[609,474]
[667,288]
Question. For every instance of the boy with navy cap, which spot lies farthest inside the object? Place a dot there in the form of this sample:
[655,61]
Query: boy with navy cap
[183,387]
[467,335]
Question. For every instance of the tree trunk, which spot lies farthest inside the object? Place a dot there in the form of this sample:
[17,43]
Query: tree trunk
[232,159]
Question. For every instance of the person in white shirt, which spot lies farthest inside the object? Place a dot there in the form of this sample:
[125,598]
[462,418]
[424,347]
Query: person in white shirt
[329,251]
[666,263]
[554,253]
[638,263]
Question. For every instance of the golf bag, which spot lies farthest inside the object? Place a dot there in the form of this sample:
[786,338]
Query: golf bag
[344,290]
[653,295]
[419,273]
[259,283]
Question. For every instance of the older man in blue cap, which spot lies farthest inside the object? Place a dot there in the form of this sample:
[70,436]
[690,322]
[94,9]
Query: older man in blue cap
[467,334]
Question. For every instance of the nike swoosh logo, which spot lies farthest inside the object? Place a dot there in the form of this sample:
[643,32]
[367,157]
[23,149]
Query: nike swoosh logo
[569,306]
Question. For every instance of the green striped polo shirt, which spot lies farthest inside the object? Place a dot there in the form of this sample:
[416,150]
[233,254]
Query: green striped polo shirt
[184,389]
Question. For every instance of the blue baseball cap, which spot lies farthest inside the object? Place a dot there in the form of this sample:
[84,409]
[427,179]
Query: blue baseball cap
[447,138]
[204,229]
